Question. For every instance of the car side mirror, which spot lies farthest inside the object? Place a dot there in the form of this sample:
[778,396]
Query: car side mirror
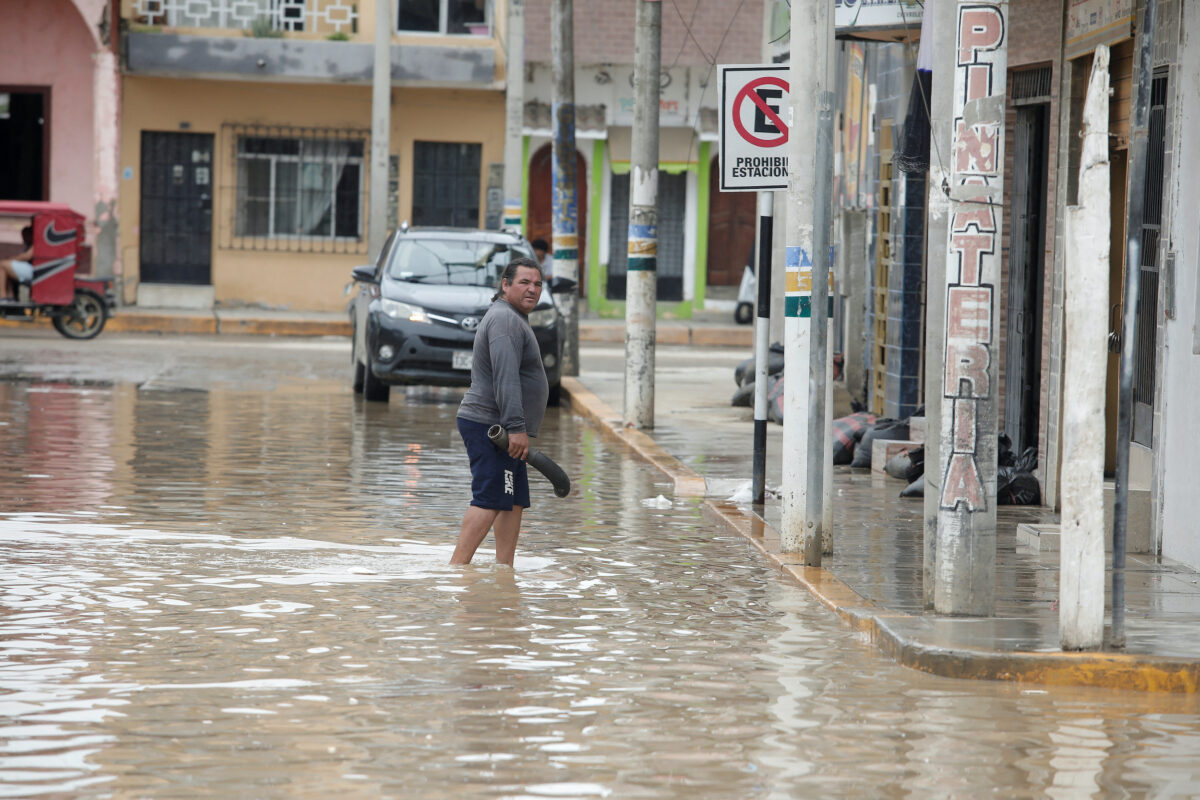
[560,285]
[364,274]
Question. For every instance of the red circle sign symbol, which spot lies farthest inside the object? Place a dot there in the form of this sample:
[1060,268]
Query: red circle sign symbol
[748,92]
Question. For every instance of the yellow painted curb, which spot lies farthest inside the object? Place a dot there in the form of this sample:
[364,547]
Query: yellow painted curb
[1123,671]
[282,327]
[688,482]
[161,323]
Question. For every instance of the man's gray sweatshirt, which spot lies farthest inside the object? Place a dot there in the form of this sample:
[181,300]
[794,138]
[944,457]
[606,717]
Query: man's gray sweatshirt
[508,381]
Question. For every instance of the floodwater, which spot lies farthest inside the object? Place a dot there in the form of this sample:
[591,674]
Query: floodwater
[224,578]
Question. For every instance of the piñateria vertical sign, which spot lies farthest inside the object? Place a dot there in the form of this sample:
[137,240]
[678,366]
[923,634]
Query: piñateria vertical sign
[969,416]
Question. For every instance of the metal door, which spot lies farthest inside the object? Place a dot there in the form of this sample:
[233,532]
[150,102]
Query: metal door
[176,220]
[1022,377]
[672,204]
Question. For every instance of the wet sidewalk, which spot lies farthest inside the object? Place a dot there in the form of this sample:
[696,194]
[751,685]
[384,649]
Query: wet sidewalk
[873,579]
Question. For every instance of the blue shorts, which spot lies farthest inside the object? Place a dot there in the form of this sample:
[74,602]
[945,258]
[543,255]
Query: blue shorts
[498,481]
[23,271]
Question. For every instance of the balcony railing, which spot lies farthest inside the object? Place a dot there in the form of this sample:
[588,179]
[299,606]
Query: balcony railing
[314,16]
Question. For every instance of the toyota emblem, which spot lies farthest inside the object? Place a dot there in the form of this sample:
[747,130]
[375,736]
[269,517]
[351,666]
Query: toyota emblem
[470,323]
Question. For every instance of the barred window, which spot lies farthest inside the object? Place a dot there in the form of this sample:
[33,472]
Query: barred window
[444,16]
[298,189]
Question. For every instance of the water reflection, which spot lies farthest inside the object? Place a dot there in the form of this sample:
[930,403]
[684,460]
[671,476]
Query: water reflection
[250,597]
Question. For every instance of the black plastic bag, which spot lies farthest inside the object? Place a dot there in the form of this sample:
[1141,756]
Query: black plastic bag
[1019,489]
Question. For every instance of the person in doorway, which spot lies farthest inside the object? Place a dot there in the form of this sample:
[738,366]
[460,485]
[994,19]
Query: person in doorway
[508,388]
[15,271]
[542,251]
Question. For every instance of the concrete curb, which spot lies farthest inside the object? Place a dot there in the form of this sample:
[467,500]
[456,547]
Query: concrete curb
[1123,671]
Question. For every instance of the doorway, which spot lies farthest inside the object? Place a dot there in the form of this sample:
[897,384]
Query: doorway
[1026,270]
[540,221]
[732,218]
[176,220]
[25,142]
[672,206]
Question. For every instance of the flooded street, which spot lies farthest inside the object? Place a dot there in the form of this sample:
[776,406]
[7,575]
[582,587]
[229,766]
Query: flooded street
[222,574]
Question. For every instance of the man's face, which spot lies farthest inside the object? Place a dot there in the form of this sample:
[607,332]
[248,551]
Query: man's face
[525,289]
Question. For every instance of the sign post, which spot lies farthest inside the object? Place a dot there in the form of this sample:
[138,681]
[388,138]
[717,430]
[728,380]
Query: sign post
[753,158]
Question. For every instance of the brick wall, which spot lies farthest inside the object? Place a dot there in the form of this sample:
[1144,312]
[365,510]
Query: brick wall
[604,32]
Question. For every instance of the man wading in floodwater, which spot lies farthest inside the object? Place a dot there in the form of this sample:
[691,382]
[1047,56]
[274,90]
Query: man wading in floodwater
[509,388]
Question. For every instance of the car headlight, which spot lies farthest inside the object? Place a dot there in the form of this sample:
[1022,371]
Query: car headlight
[543,317]
[397,310]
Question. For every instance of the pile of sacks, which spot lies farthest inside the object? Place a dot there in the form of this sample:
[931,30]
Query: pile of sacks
[855,434]
[853,441]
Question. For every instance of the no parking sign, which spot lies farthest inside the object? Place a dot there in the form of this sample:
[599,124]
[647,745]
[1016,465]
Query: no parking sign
[753,132]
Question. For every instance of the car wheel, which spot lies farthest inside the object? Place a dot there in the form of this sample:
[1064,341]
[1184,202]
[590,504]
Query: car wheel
[555,396]
[374,389]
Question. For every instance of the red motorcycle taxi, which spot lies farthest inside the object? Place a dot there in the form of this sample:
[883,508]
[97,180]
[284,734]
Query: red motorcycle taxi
[77,305]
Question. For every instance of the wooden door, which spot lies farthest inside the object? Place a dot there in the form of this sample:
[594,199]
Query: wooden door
[540,219]
[731,222]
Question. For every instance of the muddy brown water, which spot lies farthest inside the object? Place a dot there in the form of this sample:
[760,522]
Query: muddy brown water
[238,588]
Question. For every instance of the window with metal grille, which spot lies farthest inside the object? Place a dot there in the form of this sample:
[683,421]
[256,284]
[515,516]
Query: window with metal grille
[444,16]
[297,189]
[1031,85]
[446,184]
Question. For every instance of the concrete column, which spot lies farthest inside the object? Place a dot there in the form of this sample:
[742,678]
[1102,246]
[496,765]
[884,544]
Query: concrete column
[514,116]
[381,129]
[1081,564]
[641,293]
[566,209]
[965,559]
[810,163]
[106,130]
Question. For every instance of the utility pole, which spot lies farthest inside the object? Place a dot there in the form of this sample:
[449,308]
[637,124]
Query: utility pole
[566,209]
[810,159]
[381,124]
[514,116]
[641,287]
[965,558]
[937,237]
[1085,365]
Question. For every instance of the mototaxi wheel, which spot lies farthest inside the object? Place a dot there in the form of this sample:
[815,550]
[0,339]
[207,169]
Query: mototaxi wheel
[84,318]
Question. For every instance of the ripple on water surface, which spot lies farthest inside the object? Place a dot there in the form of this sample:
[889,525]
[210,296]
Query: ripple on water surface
[241,593]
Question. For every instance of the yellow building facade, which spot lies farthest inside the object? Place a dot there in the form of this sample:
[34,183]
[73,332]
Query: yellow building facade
[245,174]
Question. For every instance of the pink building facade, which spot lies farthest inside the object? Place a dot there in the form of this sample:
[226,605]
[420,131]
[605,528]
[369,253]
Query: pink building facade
[59,109]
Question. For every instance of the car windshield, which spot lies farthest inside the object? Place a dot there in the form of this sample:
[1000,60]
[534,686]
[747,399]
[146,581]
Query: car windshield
[464,262]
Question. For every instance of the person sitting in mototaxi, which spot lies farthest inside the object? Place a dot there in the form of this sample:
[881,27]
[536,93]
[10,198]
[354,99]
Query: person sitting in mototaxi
[15,271]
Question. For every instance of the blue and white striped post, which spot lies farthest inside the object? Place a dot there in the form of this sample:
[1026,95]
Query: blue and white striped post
[810,163]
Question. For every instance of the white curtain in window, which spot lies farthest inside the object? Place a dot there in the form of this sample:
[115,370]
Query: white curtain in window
[319,178]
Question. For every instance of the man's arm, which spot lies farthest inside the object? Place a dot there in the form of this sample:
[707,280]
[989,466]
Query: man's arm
[506,383]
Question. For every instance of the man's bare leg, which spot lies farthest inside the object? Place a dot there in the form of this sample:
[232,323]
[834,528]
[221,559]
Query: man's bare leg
[475,525]
[508,528]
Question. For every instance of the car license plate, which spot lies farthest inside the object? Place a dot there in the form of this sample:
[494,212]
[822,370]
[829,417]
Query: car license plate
[461,359]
